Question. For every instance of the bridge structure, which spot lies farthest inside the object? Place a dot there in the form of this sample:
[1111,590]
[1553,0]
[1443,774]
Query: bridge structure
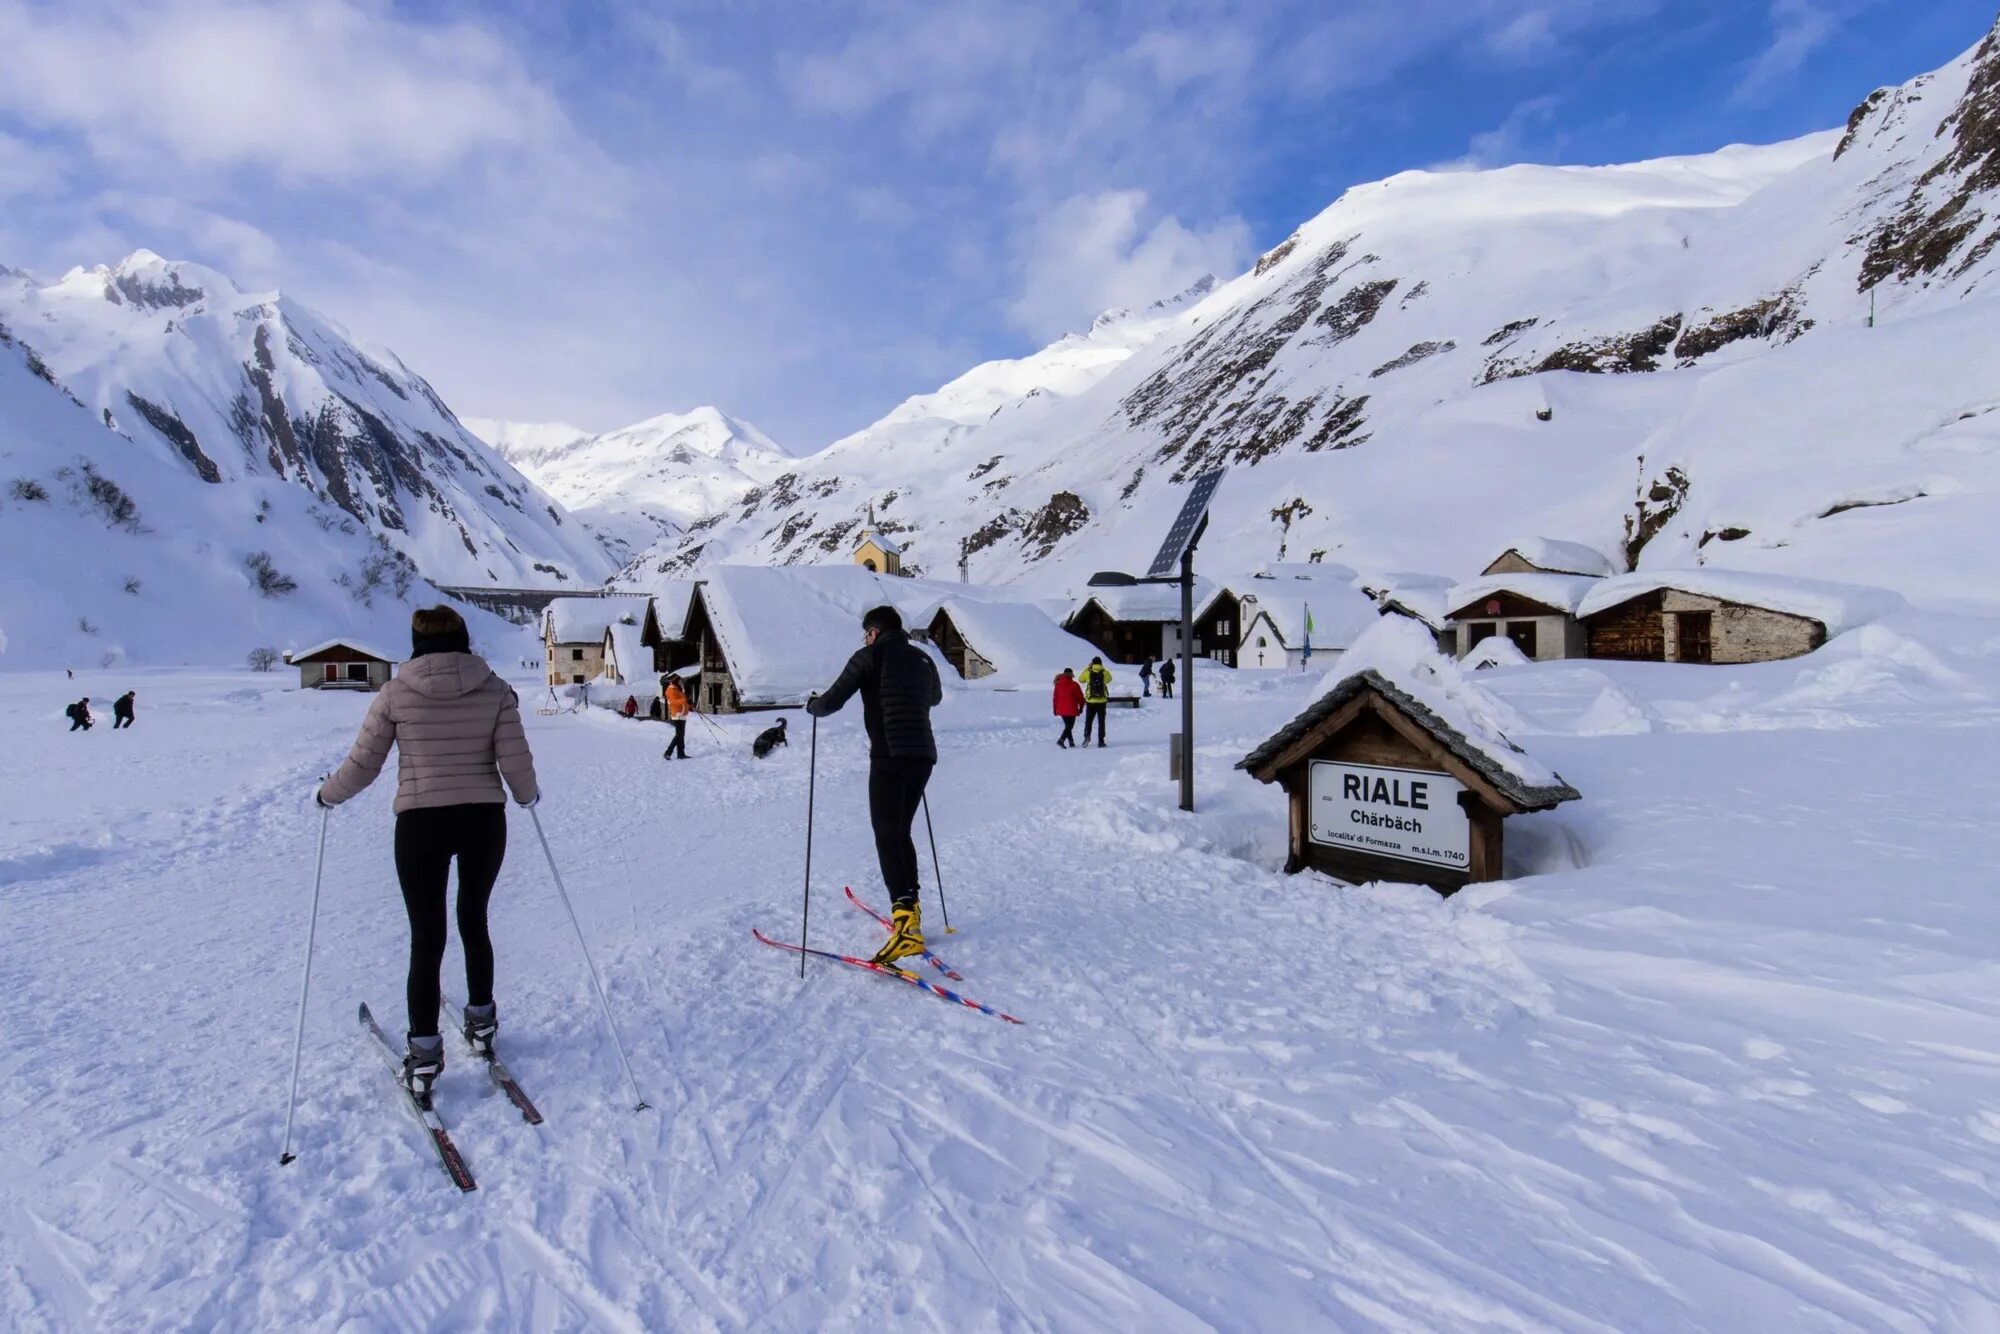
[523,606]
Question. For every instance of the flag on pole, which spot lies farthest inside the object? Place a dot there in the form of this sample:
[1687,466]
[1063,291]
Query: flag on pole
[1309,633]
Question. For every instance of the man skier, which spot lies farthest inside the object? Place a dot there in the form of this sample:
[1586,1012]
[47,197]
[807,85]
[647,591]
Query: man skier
[1167,679]
[1096,696]
[1146,679]
[677,718]
[79,715]
[1068,704]
[121,710]
[899,687]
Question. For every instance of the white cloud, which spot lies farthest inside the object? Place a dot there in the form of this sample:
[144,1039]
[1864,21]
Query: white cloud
[1096,252]
[1507,142]
[25,168]
[312,90]
[1798,28]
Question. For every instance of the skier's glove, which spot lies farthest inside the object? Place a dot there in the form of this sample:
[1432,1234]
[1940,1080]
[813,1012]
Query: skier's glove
[531,802]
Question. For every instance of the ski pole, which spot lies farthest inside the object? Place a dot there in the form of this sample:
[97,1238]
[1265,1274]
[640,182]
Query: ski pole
[285,1155]
[812,778]
[639,1099]
[936,872]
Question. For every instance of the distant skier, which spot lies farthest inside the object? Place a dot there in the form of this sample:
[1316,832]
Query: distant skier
[677,718]
[899,687]
[1068,704]
[1096,697]
[1146,679]
[457,728]
[79,715]
[121,710]
[769,740]
[1167,679]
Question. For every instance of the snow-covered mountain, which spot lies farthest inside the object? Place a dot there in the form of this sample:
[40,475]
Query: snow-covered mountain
[646,484]
[111,554]
[1777,357]
[231,386]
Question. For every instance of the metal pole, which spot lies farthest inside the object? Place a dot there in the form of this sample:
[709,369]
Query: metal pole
[1187,675]
[936,871]
[285,1155]
[805,895]
[639,1099]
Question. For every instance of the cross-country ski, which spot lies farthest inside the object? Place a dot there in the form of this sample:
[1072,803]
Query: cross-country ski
[420,1106]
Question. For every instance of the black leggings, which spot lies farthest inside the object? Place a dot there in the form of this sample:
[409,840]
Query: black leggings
[426,841]
[895,789]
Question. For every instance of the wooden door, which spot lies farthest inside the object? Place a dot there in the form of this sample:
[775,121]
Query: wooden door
[1696,633]
[1525,637]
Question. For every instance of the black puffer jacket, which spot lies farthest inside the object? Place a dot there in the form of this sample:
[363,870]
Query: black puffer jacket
[899,688]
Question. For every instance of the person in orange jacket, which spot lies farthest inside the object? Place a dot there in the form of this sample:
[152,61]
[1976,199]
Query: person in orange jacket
[1068,704]
[677,718]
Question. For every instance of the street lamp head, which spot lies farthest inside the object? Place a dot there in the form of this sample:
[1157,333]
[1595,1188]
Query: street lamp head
[1112,579]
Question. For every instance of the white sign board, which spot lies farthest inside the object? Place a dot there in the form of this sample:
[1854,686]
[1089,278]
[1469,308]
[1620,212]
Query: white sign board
[1410,814]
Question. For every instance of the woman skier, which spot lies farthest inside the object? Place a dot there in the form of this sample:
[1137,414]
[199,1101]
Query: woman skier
[457,728]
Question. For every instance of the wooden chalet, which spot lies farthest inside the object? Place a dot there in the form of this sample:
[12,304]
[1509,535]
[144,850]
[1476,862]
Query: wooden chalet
[342,664]
[1139,622]
[1014,643]
[1382,787]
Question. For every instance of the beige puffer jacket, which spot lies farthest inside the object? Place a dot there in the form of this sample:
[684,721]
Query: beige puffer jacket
[457,728]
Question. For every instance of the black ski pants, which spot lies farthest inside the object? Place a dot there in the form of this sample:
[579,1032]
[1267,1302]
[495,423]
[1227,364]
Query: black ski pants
[1068,738]
[122,720]
[1093,713]
[895,790]
[679,745]
[426,842]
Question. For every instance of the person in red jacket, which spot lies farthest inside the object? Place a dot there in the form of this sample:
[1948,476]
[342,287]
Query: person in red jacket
[1068,704]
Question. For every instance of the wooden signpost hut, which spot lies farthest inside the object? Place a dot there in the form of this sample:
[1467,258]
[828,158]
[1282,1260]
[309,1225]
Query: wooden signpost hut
[1383,787]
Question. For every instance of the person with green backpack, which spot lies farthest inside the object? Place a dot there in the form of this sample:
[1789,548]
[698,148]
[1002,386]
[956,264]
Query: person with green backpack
[1096,697]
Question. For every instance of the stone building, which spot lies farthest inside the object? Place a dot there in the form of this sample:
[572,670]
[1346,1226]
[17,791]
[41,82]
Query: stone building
[1548,555]
[1721,616]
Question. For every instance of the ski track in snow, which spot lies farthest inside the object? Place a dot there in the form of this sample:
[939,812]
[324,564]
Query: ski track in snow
[1732,1061]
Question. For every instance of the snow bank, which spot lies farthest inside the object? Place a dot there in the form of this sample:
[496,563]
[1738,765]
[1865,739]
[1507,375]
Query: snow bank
[1493,651]
[1838,607]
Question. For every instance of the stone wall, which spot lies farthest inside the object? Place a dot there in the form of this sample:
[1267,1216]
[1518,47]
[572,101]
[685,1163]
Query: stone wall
[1742,634]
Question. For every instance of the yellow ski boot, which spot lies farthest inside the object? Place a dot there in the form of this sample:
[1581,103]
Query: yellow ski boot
[907,936]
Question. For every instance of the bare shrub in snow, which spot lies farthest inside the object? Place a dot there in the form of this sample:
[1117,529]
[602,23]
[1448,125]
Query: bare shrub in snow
[83,624]
[27,488]
[263,659]
[109,497]
[269,582]
[133,585]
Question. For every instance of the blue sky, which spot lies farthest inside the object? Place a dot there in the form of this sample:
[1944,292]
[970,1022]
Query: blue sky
[803,211]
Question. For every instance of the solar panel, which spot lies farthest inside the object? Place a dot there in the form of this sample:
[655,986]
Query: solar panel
[1193,509]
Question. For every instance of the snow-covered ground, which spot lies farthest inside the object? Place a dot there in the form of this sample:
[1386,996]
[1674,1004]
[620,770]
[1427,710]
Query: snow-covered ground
[1729,1060]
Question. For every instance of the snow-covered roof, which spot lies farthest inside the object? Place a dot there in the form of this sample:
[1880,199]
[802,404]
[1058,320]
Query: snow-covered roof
[1019,639]
[671,600]
[1838,607]
[1561,591]
[300,655]
[1398,658]
[1425,604]
[1388,583]
[787,631]
[1297,569]
[881,539]
[584,620]
[629,661]
[1145,602]
[1559,557]
[1341,613]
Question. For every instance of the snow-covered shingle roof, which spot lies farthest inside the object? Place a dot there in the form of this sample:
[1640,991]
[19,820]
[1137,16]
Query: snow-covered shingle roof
[1021,642]
[1146,602]
[671,600]
[881,539]
[787,632]
[1838,607]
[1399,659]
[1341,612]
[629,661]
[300,655]
[584,620]
[1560,591]
[1560,557]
